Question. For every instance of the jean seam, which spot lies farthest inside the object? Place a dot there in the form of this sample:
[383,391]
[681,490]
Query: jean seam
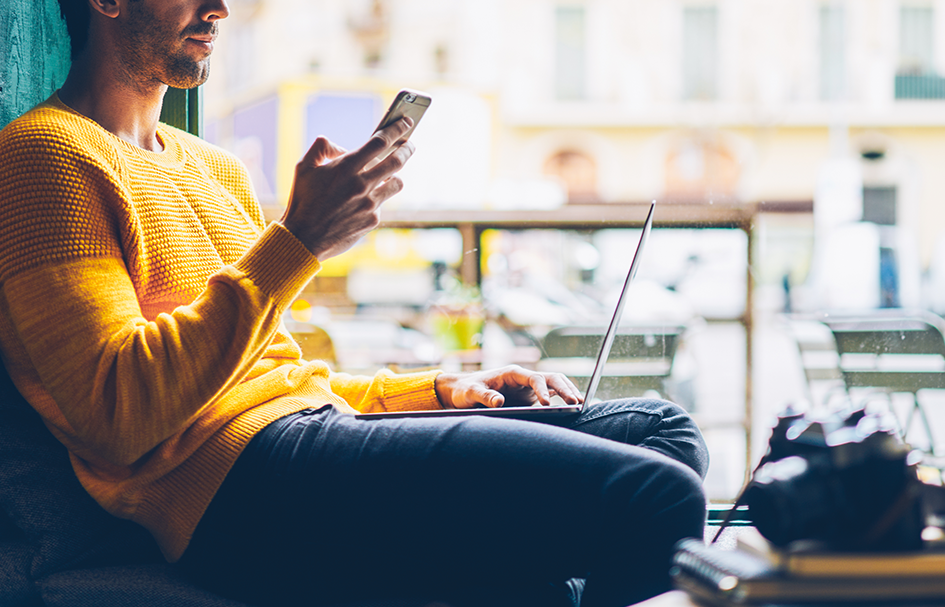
[601,414]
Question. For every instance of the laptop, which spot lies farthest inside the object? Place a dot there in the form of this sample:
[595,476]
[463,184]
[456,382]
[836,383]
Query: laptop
[553,410]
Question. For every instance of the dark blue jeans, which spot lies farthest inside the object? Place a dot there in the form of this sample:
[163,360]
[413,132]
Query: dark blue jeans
[322,508]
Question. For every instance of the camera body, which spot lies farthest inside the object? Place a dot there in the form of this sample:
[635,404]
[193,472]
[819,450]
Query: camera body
[846,481]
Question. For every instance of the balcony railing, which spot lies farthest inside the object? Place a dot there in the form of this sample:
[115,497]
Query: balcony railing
[920,86]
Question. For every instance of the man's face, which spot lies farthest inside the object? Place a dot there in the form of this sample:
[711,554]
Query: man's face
[170,41]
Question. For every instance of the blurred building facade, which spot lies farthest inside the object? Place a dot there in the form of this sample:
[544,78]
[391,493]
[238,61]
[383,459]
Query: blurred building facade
[540,103]
[835,108]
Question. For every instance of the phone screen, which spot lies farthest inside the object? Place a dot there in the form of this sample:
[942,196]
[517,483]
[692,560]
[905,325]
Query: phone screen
[407,103]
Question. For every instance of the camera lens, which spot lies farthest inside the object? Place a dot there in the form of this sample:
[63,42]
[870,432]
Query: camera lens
[410,98]
[789,500]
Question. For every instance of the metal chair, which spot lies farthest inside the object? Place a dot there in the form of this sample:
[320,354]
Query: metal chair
[819,360]
[640,361]
[893,351]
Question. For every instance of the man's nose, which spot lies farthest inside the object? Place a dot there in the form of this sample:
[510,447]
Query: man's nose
[214,10]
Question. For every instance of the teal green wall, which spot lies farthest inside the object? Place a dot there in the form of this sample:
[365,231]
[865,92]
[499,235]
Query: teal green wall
[34,61]
[183,109]
[34,54]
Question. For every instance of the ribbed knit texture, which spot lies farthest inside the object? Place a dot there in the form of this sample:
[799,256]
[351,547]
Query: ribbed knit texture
[141,309]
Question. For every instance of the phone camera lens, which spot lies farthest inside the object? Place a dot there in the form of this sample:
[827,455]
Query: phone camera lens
[411,98]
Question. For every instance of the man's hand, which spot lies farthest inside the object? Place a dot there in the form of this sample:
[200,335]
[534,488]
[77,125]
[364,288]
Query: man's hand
[334,201]
[518,386]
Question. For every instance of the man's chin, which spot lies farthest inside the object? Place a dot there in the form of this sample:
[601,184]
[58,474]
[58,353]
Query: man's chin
[188,75]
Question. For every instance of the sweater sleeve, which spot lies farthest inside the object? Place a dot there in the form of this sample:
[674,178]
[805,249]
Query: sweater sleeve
[388,391]
[124,384]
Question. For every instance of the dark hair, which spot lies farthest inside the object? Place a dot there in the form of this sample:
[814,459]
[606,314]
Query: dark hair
[77,15]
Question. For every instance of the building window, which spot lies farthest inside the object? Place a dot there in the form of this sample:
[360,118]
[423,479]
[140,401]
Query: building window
[700,53]
[832,55]
[254,142]
[577,172]
[916,77]
[701,169]
[570,52]
[441,60]
[879,205]
[347,119]
[371,30]
[916,42]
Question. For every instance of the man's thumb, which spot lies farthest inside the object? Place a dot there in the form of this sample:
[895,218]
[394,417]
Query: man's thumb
[322,150]
[493,399]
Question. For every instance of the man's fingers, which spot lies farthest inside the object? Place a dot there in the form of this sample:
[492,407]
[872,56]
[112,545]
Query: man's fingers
[493,399]
[541,385]
[514,384]
[380,141]
[483,395]
[564,388]
[321,151]
[387,189]
[538,384]
[393,163]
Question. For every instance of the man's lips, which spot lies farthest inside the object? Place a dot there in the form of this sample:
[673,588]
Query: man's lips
[206,41]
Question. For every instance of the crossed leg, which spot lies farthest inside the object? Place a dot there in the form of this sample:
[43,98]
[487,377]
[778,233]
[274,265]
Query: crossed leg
[323,508]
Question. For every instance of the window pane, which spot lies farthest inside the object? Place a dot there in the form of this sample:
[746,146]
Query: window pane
[916,50]
[700,53]
[879,205]
[832,55]
[569,52]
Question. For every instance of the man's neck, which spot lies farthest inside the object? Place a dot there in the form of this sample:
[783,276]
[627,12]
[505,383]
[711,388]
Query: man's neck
[128,110]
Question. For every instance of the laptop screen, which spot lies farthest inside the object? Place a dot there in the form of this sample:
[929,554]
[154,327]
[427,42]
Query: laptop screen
[618,313]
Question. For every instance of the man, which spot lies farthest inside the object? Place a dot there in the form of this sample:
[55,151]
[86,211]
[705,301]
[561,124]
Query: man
[142,298]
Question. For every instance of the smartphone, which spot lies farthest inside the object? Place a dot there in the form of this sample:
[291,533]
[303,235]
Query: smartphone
[406,103]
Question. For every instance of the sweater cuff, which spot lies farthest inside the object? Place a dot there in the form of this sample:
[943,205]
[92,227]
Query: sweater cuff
[279,264]
[411,392]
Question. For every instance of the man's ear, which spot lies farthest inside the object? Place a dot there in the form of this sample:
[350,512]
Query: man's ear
[108,8]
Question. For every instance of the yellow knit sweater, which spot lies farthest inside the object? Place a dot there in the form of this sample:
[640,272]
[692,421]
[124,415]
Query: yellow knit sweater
[141,312]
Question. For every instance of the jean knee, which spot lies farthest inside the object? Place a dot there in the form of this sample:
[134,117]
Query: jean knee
[677,435]
[684,500]
[651,423]
[658,406]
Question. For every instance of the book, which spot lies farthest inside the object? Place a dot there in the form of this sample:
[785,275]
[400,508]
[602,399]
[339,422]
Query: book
[737,577]
[810,561]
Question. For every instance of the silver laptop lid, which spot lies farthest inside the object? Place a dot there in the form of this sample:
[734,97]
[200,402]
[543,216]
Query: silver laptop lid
[618,313]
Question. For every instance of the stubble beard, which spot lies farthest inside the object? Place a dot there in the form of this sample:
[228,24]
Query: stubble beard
[155,55]
[185,73]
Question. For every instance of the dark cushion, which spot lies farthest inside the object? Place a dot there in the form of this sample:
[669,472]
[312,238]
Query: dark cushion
[43,499]
[153,585]
[48,523]
[9,531]
[16,587]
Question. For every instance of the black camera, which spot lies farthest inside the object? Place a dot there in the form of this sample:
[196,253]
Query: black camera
[846,480]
